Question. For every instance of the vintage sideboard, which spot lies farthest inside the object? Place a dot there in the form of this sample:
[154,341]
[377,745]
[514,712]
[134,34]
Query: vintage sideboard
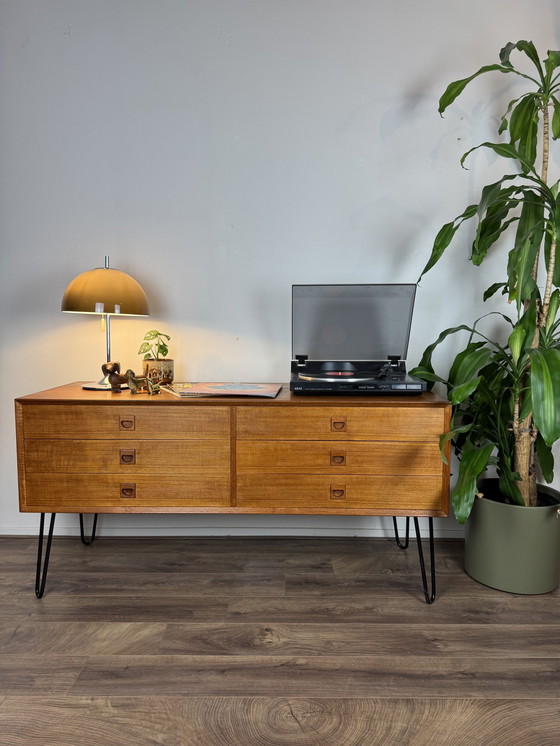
[102,452]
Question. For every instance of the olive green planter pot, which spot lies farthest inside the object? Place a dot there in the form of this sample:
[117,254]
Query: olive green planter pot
[511,547]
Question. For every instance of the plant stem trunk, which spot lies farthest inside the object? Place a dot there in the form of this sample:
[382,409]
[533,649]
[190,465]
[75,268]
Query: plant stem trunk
[524,460]
[524,432]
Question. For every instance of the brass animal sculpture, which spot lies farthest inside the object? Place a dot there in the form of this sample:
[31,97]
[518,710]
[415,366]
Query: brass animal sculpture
[140,384]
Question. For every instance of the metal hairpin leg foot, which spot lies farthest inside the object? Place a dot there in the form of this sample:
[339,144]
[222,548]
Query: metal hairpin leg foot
[43,562]
[407,537]
[82,535]
[429,596]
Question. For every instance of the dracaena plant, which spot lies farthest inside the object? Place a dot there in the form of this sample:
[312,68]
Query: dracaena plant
[506,392]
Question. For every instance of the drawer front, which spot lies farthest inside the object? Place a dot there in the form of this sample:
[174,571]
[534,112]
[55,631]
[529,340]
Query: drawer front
[344,423]
[379,495]
[344,457]
[125,422]
[77,493]
[127,457]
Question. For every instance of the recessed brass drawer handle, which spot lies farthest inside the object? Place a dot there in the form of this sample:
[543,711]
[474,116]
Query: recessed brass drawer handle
[338,424]
[128,489]
[338,492]
[127,422]
[128,457]
[338,458]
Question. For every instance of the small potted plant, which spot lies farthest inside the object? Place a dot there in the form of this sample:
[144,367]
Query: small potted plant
[156,366]
[505,390]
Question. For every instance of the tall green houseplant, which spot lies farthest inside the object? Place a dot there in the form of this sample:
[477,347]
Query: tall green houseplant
[506,393]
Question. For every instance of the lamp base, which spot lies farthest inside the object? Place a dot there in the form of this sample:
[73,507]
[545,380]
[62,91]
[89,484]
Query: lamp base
[102,385]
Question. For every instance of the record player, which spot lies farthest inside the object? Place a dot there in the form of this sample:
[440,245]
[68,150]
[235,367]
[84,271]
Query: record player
[352,339]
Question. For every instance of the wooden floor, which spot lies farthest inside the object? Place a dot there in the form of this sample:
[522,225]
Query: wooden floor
[266,642]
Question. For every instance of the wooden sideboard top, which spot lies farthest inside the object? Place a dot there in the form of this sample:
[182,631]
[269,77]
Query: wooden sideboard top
[73,392]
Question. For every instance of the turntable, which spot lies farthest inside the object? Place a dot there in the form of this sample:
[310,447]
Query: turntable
[352,339]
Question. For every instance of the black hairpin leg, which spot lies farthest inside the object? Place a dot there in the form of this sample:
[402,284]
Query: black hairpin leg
[43,562]
[94,526]
[407,537]
[430,596]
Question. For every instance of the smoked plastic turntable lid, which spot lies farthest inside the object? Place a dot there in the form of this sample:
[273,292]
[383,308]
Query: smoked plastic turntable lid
[351,322]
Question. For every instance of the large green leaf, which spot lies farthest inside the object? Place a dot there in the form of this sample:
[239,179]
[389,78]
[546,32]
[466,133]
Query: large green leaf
[531,223]
[473,463]
[525,336]
[551,240]
[515,342]
[468,362]
[426,361]
[555,221]
[551,63]
[451,435]
[504,124]
[521,263]
[524,126]
[505,53]
[490,229]
[495,375]
[523,116]
[508,483]
[495,192]
[457,87]
[445,236]
[493,289]
[426,375]
[555,123]
[545,458]
[496,202]
[528,240]
[505,150]
[531,51]
[459,393]
[526,404]
[545,392]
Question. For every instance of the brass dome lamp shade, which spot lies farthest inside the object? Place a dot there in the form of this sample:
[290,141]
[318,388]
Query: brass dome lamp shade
[106,292]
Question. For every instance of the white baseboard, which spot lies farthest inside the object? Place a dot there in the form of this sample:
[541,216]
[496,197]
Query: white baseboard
[443,529]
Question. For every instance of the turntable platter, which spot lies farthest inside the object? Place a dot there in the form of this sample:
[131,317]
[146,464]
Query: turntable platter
[352,376]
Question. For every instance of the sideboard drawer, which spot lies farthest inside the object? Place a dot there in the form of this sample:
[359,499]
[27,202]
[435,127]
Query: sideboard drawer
[342,457]
[87,493]
[126,456]
[116,422]
[381,495]
[344,423]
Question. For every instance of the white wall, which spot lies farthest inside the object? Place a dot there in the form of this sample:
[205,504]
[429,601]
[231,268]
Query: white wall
[219,151]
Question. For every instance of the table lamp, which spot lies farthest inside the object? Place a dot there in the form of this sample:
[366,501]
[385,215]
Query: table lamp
[106,292]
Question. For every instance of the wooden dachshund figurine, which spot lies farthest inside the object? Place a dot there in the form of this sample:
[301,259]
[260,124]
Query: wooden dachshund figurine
[113,373]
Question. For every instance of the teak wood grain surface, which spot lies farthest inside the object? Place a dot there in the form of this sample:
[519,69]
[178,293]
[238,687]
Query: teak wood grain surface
[101,452]
[213,641]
